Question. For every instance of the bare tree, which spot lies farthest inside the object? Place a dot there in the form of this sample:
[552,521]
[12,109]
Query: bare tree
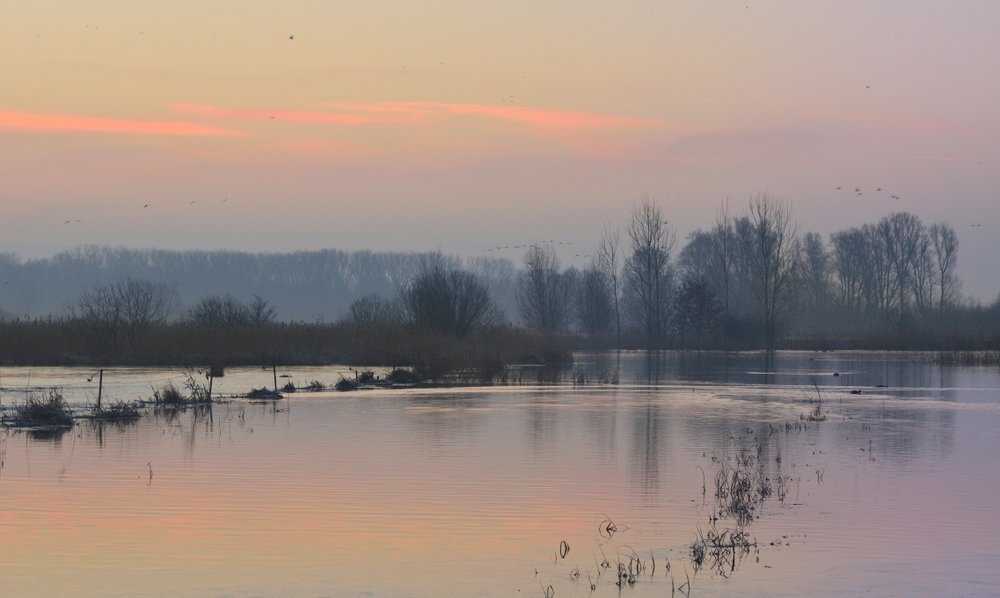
[945,244]
[647,271]
[848,259]
[595,307]
[723,257]
[902,233]
[814,271]
[372,311]
[608,262]
[448,301]
[772,258]
[223,311]
[121,312]
[261,311]
[543,295]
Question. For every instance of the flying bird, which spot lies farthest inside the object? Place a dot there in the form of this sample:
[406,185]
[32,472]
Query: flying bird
[145,206]
[291,37]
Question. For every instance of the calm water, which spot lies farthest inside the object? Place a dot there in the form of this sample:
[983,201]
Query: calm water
[470,492]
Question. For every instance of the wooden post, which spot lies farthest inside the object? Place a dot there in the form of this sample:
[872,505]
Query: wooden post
[274,370]
[210,378]
[100,387]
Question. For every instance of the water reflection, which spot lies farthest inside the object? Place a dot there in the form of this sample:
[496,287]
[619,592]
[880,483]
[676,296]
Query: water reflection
[468,492]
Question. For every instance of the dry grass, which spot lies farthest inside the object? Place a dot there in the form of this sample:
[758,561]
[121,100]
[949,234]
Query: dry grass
[50,412]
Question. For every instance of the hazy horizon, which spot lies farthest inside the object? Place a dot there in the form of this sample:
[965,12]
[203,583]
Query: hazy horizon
[462,127]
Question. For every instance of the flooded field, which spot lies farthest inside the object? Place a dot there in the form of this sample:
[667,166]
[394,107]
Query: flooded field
[693,475]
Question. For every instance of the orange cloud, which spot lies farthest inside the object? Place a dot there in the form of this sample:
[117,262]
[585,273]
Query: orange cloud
[90,124]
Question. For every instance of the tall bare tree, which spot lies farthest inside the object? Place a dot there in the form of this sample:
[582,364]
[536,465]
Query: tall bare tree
[771,253]
[902,232]
[945,244]
[647,270]
[608,261]
[543,294]
[814,271]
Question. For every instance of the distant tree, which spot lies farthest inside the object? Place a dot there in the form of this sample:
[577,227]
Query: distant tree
[261,311]
[119,314]
[902,233]
[814,272]
[848,262]
[448,301]
[373,311]
[226,311]
[722,272]
[697,312]
[609,263]
[221,311]
[770,250]
[647,270]
[543,293]
[945,244]
[594,301]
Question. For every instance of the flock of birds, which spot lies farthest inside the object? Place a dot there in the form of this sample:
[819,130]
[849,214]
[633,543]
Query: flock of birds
[859,192]
[524,245]
[144,206]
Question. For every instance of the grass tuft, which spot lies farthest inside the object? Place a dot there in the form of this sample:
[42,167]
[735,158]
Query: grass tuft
[50,412]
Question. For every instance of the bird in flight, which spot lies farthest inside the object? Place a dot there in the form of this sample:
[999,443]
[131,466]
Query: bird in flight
[145,206]
[291,37]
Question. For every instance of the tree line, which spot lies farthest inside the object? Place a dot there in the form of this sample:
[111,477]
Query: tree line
[750,281]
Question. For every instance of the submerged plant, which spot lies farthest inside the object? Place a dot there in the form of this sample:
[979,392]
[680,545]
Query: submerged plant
[119,410]
[168,395]
[721,551]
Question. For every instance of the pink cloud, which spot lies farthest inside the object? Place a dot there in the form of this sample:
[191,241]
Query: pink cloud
[285,115]
[537,118]
[416,113]
[90,124]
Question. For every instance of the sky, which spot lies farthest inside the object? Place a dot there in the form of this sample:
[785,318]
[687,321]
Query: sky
[463,126]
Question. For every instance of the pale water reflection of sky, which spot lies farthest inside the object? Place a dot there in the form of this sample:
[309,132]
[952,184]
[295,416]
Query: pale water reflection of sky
[471,491]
